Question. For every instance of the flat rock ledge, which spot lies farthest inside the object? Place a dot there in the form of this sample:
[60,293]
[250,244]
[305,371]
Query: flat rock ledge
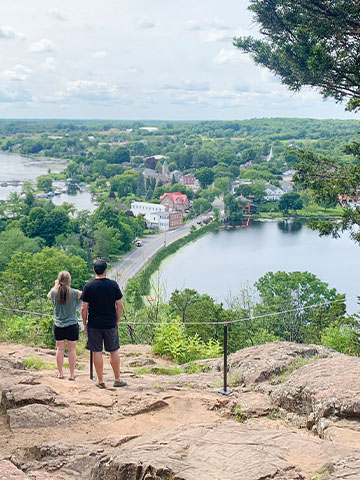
[226,450]
[328,387]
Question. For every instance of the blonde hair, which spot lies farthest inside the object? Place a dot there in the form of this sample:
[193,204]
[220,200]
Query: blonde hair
[63,287]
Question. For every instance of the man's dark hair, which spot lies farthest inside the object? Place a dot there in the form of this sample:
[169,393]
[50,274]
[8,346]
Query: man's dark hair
[100,266]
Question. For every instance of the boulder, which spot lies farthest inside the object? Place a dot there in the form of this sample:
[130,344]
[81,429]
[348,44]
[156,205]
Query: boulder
[8,471]
[35,416]
[8,364]
[21,395]
[328,387]
[259,363]
[226,450]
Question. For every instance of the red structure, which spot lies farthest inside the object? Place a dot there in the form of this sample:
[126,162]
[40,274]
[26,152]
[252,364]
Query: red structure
[175,201]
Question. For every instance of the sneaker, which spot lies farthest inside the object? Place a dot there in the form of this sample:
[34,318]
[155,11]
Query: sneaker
[100,385]
[119,383]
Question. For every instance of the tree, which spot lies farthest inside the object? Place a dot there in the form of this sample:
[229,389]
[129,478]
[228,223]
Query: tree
[297,291]
[255,191]
[205,176]
[330,181]
[232,209]
[14,240]
[290,201]
[29,276]
[316,43]
[313,43]
[44,183]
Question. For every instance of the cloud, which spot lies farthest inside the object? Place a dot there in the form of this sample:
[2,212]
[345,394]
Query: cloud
[100,54]
[226,56]
[187,85]
[14,96]
[93,91]
[8,32]
[56,14]
[18,73]
[136,70]
[49,65]
[212,30]
[144,23]
[43,45]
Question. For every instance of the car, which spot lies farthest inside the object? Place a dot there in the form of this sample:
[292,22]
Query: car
[138,243]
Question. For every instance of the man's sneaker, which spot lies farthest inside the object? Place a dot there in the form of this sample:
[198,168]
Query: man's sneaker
[119,383]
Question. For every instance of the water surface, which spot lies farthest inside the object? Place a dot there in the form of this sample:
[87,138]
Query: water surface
[221,263]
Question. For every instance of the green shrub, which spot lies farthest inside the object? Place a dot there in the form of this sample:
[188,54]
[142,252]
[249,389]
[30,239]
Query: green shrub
[344,339]
[36,363]
[170,340]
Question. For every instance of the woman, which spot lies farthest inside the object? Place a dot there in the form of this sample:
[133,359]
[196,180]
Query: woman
[65,300]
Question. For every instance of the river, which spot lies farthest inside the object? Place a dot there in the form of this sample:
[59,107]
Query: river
[220,263]
[16,168]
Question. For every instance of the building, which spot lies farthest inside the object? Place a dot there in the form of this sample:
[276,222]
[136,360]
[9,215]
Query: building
[188,179]
[156,216]
[273,193]
[287,186]
[164,221]
[146,207]
[175,201]
[288,175]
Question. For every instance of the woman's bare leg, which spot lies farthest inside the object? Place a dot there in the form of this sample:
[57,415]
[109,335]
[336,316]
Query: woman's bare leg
[60,350]
[72,357]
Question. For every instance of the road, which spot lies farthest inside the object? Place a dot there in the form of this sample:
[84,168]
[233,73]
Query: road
[134,261]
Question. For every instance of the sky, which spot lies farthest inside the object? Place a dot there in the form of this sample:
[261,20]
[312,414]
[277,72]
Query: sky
[139,59]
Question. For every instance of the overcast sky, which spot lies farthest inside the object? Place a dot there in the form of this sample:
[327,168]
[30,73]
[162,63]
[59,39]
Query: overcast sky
[139,59]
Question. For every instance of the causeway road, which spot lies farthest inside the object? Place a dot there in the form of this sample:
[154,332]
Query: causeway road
[134,261]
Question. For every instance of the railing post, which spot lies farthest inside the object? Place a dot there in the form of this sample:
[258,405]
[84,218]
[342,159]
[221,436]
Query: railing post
[225,390]
[91,366]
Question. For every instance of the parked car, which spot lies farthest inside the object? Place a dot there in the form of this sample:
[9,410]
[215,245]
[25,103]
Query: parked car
[138,243]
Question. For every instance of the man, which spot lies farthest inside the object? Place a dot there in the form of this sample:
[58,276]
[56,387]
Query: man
[101,311]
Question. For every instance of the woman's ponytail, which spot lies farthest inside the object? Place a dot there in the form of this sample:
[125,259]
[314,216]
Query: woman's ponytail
[63,287]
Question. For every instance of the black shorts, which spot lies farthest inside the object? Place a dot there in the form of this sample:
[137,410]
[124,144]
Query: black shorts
[97,337]
[67,333]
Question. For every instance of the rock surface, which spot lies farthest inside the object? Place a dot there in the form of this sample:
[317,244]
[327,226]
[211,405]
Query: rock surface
[35,416]
[179,427]
[259,363]
[22,395]
[8,471]
[346,468]
[325,388]
[222,450]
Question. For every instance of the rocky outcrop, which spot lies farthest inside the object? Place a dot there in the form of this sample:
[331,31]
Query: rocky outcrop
[21,395]
[8,471]
[347,468]
[259,363]
[224,450]
[35,416]
[325,388]
[179,427]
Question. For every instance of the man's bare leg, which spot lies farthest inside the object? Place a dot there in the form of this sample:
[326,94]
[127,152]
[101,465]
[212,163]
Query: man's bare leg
[99,366]
[115,363]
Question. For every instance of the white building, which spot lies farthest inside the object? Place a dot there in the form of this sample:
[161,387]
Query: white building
[273,193]
[145,207]
[156,216]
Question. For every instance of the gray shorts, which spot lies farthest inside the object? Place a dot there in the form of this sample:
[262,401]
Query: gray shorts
[99,337]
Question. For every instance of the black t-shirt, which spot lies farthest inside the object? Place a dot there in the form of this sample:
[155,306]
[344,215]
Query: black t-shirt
[101,295]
